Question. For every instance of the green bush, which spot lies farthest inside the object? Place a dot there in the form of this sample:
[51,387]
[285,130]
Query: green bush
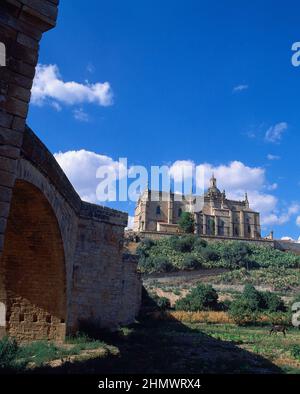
[210,254]
[201,298]
[295,351]
[190,262]
[241,312]
[144,247]
[162,264]
[251,302]
[237,254]
[272,302]
[253,297]
[187,223]
[183,244]
[8,352]
[231,255]
[200,243]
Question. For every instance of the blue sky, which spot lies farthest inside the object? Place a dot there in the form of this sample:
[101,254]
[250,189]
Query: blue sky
[201,81]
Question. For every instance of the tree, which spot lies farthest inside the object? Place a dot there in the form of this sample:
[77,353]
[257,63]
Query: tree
[187,223]
[237,253]
[201,298]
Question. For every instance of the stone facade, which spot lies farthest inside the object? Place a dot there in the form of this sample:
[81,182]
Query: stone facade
[61,259]
[218,217]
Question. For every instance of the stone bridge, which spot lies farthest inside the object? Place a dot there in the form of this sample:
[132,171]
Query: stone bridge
[61,259]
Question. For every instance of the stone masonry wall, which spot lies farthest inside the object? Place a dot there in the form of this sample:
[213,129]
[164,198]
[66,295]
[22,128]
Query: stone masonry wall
[60,258]
[104,283]
[22,23]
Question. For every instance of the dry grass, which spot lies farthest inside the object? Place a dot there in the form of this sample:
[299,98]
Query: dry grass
[211,317]
[193,317]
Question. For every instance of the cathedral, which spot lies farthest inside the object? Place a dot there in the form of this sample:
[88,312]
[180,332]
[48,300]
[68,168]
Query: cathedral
[159,212]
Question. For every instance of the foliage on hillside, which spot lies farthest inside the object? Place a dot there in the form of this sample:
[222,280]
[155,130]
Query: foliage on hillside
[190,252]
[277,278]
[247,306]
[201,298]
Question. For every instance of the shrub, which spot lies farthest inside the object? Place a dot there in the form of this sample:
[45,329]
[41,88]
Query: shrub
[251,302]
[210,254]
[190,262]
[183,244]
[224,305]
[200,243]
[295,351]
[241,312]
[201,298]
[272,302]
[253,297]
[187,223]
[162,264]
[237,253]
[8,353]
[143,250]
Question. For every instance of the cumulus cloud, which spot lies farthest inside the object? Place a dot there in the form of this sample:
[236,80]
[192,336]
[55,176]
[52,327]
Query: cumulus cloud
[234,176]
[275,218]
[182,169]
[240,88]
[49,87]
[81,167]
[274,133]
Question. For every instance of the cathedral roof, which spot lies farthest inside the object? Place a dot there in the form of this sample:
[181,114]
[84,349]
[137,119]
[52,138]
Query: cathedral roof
[213,191]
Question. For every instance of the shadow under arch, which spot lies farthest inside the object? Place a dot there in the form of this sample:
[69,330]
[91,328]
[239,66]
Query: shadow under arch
[34,268]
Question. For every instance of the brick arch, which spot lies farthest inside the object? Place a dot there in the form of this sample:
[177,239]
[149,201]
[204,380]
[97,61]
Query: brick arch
[33,259]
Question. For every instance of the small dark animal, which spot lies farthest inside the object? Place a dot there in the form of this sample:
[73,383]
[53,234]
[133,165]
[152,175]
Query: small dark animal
[278,328]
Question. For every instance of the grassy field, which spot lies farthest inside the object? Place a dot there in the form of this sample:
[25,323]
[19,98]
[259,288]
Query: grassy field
[175,347]
[177,341]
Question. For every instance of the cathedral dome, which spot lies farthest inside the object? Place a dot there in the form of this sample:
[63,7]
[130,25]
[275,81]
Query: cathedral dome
[213,191]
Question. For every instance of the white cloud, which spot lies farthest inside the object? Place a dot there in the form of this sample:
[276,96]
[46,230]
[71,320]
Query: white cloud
[273,157]
[240,88]
[48,85]
[81,167]
[182,168]
[287,239]
[81,115]
[298,221]
[275,133]
[235,176]
[56,106]
[274,218]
